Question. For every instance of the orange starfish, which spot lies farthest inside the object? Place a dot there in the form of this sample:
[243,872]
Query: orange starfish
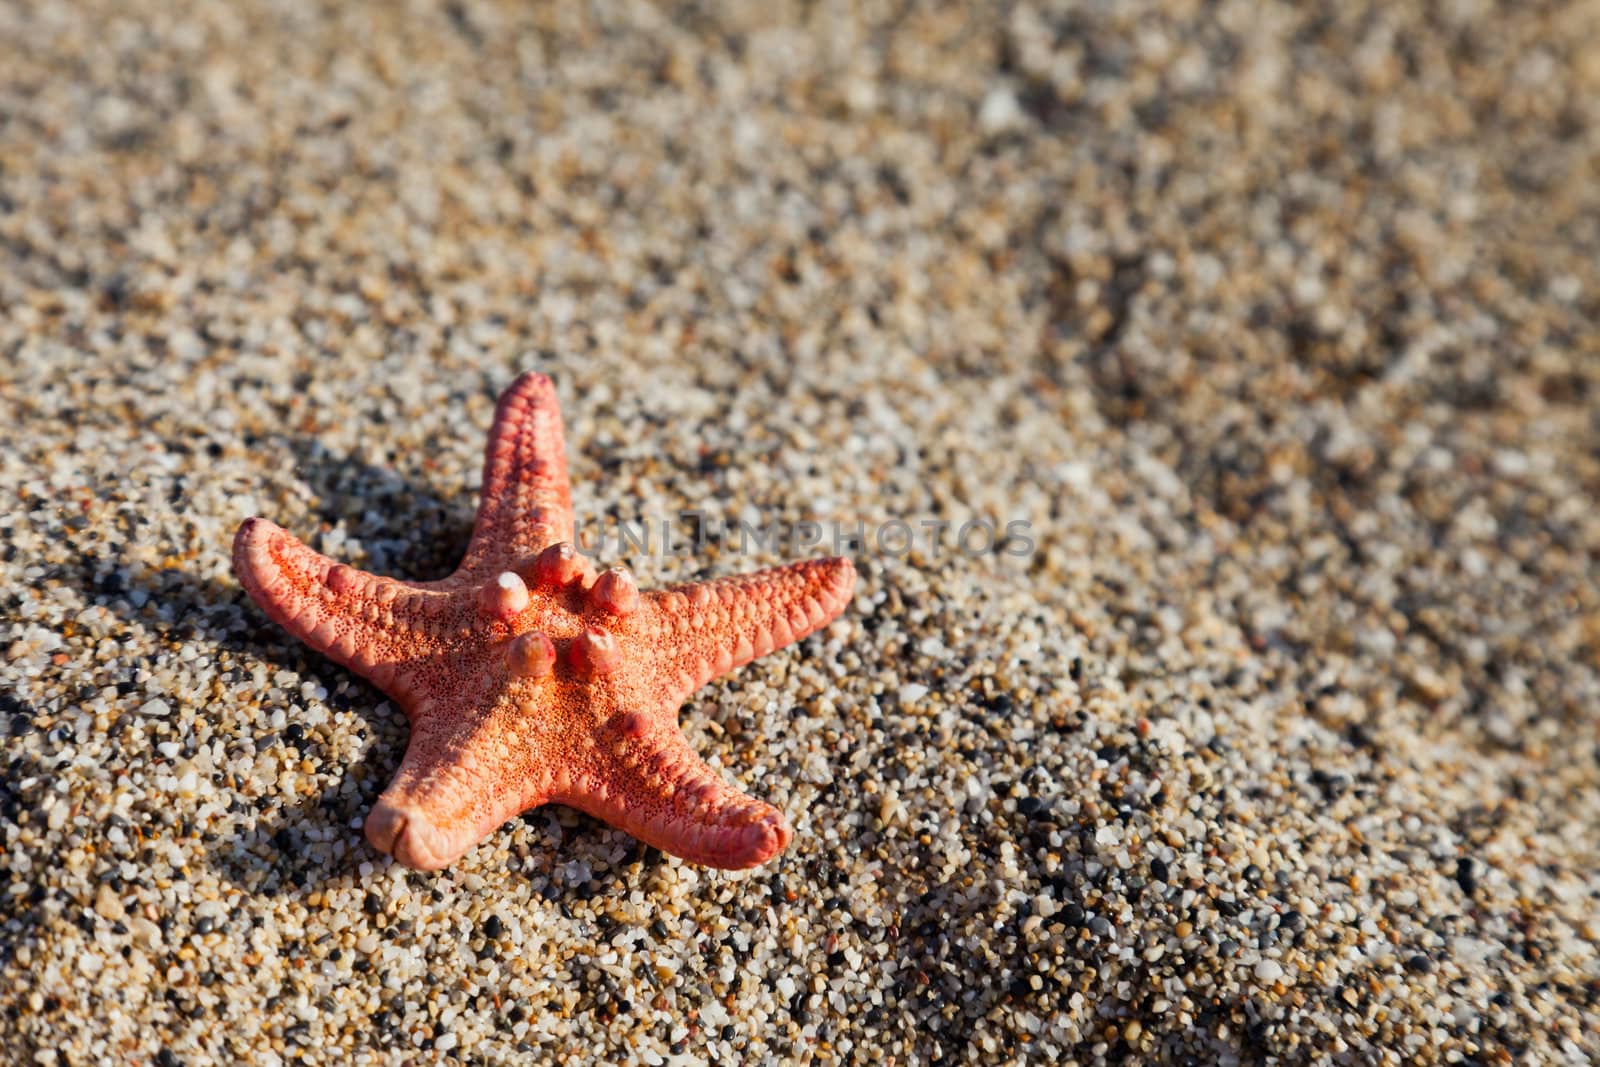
[529,679]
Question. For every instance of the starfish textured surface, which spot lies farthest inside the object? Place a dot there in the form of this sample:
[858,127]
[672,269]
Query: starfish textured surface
[530,679]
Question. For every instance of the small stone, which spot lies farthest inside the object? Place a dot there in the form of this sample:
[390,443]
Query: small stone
[146,934]
[999,111]
[108,905]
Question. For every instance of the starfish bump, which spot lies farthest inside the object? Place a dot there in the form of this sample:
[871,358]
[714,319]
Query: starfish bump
[529,679]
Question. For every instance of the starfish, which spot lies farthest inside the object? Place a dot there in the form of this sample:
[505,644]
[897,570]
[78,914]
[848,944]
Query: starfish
[528,678]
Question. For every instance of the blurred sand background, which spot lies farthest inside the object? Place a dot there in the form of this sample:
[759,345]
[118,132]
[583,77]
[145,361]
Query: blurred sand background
[1278,324]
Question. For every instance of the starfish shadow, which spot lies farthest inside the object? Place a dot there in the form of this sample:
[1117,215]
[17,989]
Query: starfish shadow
[175,604]
[408,529]
[182,608]
[273,853]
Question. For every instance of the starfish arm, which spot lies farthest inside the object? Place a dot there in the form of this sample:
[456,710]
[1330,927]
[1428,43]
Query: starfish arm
[656,788]
[694,633]
[359,620]
[463,775]
[526,501]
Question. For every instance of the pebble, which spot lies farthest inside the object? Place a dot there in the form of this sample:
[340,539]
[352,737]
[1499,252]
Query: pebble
[108,905]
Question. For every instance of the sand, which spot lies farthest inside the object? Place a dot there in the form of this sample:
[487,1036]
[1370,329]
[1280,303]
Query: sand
[1272,737]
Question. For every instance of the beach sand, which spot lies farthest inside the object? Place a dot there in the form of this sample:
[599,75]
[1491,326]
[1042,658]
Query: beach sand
[1272,736]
